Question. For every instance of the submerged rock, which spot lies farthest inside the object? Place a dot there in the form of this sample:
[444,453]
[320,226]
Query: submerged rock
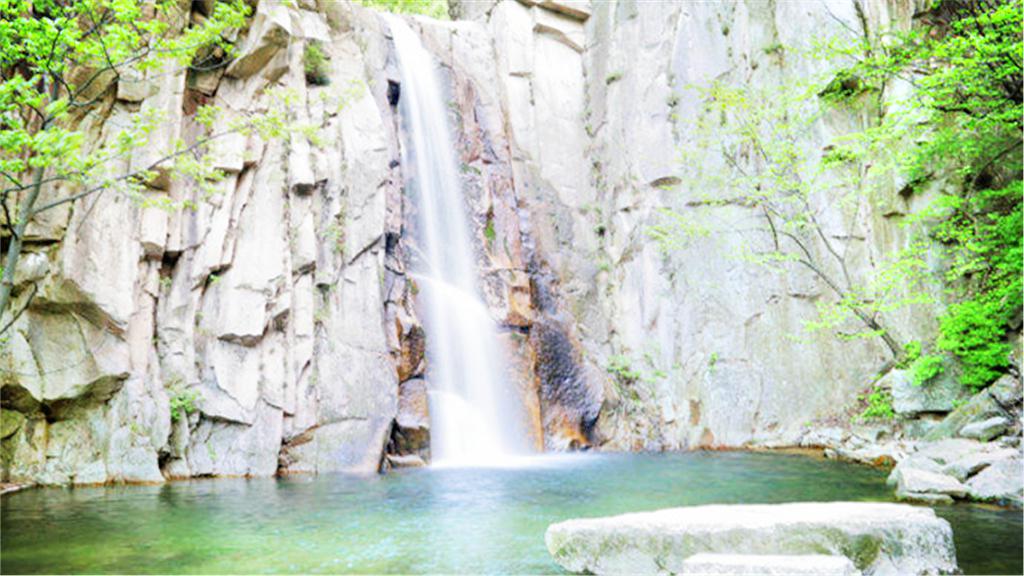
[751,564]
[877,538]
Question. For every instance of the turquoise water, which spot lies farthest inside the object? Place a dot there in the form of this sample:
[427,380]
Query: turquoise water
[426,520]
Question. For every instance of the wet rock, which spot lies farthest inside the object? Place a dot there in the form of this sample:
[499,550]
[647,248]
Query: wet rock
[924,498]
[986,429]
[754,564]
[877,538]
[407,461]
[412,343]
[412,424]
[1002,482]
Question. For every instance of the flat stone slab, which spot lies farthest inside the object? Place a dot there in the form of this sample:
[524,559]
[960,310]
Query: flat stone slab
[769,565]
[879,538]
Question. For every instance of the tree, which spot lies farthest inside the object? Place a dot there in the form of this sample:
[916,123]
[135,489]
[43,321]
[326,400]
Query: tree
[960,126]
[768,168]
[965,120]
[61,59]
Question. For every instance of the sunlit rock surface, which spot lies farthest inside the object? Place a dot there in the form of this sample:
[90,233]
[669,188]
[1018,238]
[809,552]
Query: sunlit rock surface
[877,538]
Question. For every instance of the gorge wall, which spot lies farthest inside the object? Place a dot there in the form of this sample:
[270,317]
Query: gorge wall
[281,303]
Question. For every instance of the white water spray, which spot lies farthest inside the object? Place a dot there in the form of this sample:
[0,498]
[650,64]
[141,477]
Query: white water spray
[475,419]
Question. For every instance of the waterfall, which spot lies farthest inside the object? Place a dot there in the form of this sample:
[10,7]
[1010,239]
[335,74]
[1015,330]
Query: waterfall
[475,418]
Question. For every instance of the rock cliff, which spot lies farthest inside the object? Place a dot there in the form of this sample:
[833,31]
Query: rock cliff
[277,315]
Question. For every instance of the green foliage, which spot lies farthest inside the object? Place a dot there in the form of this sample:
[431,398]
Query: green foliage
[489,232]
[959,124]
[64,52]
[624,371]
[621,367]
[983,232]
[911,352]
[613,77]
[965,119]
[879,404]
[61,60]
[926,367]
[182,401]
[754,155]
[334,233]
[846,87]
[314,63]
[433,8]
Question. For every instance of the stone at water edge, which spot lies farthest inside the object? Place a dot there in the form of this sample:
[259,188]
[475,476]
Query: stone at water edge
[966,466]
[916,480]
[755,564]
[879,538]
[1002,482]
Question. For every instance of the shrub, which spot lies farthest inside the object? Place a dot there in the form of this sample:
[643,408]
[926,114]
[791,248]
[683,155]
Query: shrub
[182,402]
[314,61]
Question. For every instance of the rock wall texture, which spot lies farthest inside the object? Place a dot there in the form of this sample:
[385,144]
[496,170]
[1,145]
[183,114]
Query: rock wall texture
[281,304]
[692,347]
[265,303]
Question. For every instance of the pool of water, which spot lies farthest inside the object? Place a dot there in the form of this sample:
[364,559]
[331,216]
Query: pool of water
[426,520]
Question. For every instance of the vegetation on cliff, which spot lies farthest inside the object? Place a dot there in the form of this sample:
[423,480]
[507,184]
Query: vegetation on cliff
[945,105]
[62,61]
[433,8]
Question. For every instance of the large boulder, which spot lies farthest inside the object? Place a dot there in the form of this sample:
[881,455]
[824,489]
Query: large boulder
[878,538]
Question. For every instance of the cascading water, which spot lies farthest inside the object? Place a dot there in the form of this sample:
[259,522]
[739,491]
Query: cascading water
[475,419]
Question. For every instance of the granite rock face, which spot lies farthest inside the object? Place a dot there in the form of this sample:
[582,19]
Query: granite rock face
[877,538]
[263,304]
[282,303]
[597,127]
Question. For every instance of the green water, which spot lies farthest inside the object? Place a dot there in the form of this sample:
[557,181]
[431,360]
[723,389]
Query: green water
[427,520]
